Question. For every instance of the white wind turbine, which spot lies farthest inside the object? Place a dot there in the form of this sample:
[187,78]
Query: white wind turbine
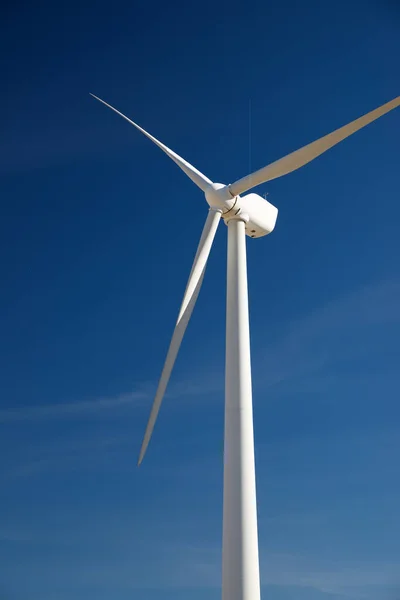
[253,216]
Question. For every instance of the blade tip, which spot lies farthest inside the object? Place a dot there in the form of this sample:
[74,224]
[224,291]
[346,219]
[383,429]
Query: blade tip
[95,97]
[141,457]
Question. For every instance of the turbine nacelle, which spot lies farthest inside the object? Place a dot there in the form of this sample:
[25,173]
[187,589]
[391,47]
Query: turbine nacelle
[259,214]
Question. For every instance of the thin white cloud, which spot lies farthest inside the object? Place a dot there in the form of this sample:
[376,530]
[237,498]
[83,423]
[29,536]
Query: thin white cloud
[192,567]
[180,565]
[304,348]
[354,580]
[344,328]
[74,454]
[141,397]
[200,567]
[70,409]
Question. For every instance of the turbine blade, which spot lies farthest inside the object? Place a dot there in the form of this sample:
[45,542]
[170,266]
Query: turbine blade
[198,178]
[191,293]
[301,157]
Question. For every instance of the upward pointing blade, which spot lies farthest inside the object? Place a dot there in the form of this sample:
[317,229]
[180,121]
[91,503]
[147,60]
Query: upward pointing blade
[198,178]
[301,157]
[192,291]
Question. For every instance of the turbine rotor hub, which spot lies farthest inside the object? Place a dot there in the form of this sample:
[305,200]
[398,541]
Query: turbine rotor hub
[219,196]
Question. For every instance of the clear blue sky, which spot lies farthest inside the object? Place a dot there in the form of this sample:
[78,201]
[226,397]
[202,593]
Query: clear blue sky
[97,234]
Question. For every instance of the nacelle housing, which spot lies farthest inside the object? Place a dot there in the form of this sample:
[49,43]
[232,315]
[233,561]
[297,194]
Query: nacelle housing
[262,214]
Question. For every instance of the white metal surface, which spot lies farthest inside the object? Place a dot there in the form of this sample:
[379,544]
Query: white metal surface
[189,299]
[240,564]
[262,214]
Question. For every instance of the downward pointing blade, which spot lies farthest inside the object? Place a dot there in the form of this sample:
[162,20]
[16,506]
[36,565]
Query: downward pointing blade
[198,178]
[301,157]
[192,291]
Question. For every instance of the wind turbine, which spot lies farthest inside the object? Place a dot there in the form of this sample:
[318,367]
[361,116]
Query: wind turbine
[254,216]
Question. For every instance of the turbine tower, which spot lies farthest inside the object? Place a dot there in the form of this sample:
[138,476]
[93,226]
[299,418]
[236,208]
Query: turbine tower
[253,216]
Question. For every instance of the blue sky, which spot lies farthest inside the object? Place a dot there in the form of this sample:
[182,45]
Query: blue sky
[97,232]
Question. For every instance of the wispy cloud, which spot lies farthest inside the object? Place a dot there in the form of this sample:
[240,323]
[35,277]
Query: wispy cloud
[98,406]
[306,347]
[88,454]
[357,580]
[71,409]
[301,360]
[181,565]
[344,329]
[195,567]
